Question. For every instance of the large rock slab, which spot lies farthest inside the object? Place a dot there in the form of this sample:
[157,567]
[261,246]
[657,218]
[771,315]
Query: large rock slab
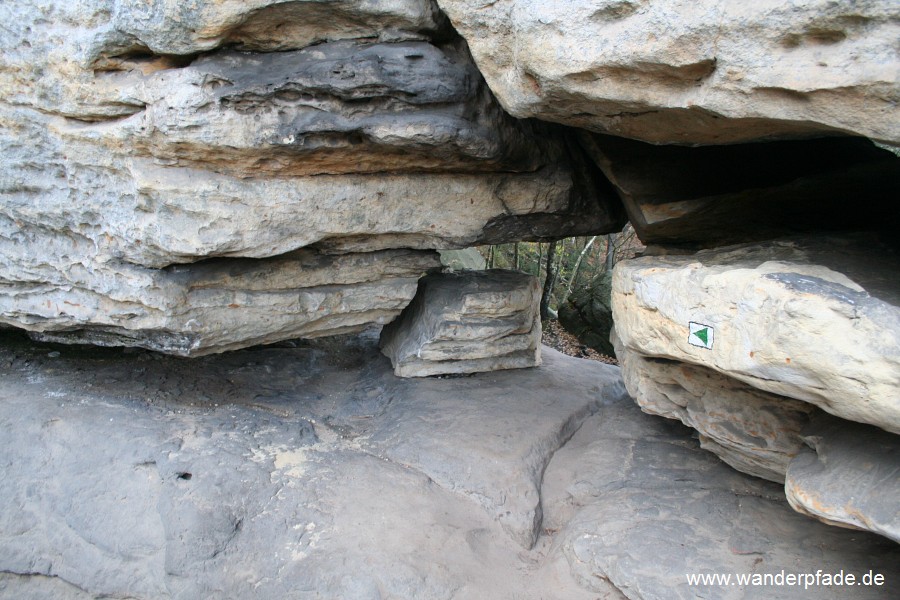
[691,72]
[849,475]
[213,306]
[467,322]
[137,136]
[309,470]
[839,472]
[753,431]
[815,320]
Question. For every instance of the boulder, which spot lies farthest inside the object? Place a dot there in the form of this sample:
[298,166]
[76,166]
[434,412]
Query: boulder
[588,314]
[467,322]
[688,72]
[141,136]
[848,475]
[815,319]
[753,431]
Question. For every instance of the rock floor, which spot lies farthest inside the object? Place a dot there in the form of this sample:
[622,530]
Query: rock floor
[309,471]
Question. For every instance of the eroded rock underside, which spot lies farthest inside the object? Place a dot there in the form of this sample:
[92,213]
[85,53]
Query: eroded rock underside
[191,178]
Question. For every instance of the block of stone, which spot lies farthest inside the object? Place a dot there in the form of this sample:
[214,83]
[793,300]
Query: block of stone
[588,314]
[690,72]
[849,475]
[815,319]
[467,322]
[754,431]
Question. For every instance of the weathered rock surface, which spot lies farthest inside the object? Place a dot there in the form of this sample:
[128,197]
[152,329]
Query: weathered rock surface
[715,195]
[138,136]
[691,72]
[588,314]
[848,476]
[815,320]
[753,431]
[212,306]
[309,470]
[467,322]
[636,504]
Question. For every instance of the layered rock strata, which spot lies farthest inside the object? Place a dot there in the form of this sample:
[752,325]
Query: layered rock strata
[219,304]
[467,322]
[138,137]
[788,317]
[848,475]
[753,431]
[744,343]
[691,72]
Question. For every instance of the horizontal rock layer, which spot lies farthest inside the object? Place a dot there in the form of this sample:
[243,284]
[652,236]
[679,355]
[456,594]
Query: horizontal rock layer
[817,321]
[467,322]
[215,305]
[691,72]
[838,472]
[753,431]
[141,136]
[848,475]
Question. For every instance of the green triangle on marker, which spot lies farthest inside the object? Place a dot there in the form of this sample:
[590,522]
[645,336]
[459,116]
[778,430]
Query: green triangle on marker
[702,335]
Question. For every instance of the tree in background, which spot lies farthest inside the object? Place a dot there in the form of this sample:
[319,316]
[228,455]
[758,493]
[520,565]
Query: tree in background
[563,265]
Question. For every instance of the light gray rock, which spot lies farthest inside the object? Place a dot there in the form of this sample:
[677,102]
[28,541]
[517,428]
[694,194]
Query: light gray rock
[690,72]
[817,320]
[213,306]
[634,503]
[849,476]
[137,136]
[467,322]
[459,260]
[753,431]
[305,471]
[315,472]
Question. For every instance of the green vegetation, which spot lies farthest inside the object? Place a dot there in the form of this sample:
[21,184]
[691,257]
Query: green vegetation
[564,265]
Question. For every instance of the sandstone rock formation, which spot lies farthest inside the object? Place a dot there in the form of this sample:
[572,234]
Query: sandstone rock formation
[690,72]
[195,177]
[743,342]
[309,470]
[717,195]
[141,136]
[220,304]
[788,317]
[849,475]
[467,322]
[753,431]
